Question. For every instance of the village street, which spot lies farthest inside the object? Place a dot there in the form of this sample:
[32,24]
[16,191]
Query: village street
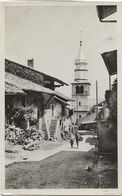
[57,167]
[47,149]
[61,81]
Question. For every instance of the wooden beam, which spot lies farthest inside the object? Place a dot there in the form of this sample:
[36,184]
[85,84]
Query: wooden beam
[58,85]
[34,100]
[109,82]
[12,100]
[47,101]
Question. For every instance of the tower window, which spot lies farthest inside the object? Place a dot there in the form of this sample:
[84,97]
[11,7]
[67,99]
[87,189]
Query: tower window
[82,89]
[79,103]
[77,90]
[80,116]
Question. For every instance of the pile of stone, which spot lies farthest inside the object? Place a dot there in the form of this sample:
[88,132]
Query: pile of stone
[33,145]
[28,139]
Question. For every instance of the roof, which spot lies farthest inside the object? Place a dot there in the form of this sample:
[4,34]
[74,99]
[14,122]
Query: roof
[15,84]
[60,101]
[92,118]
[88,119]
[110,59]
[66,98]
[29,73]
[26,85]
[13,90]
[106,10]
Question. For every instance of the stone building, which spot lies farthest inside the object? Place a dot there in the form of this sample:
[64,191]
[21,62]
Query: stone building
[26,87]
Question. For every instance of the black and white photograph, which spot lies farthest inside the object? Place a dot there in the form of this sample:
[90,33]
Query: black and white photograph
[61,81]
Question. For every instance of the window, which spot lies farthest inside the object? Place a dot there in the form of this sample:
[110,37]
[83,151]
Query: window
[80,116]
[77,89]
[82,89]
[79,103]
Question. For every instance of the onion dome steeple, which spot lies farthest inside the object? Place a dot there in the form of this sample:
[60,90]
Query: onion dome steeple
[81,59]
[81,71]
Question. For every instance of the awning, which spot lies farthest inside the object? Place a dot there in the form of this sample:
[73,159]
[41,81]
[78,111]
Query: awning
[105,11]
[110,59]
[13,90]
[26,85]
[91,122]
[60,101]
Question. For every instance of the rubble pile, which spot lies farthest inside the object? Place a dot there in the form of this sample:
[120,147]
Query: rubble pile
[28,139]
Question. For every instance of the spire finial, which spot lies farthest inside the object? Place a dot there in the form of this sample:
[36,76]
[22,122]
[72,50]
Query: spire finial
[80,38]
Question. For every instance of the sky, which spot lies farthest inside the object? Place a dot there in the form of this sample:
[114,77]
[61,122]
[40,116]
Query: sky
[51,36]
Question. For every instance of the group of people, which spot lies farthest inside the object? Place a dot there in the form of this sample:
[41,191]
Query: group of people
[74,137]
[68,128]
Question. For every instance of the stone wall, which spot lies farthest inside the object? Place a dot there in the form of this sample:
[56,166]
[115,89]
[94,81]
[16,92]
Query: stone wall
[107,136]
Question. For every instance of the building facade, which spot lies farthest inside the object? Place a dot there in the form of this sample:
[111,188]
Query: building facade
[28,90]
[80,86]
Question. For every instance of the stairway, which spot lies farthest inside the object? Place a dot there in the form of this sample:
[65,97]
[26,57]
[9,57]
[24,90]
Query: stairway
[52,128]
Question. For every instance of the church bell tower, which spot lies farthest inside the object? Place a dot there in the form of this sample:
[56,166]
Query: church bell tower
[80,86]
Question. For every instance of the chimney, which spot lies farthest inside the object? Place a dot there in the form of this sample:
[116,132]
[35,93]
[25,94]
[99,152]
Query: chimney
[30,63]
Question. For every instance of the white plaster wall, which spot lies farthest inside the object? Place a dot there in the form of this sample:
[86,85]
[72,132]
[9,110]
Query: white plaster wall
[74,117]
[57,111]
[48,116]
[81,75]
[84,100]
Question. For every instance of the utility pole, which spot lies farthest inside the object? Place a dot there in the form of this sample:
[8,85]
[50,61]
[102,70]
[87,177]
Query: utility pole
[96,100]
[77,110]
[97,115]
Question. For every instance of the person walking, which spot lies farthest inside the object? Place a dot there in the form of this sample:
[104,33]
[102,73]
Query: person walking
[77,138]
